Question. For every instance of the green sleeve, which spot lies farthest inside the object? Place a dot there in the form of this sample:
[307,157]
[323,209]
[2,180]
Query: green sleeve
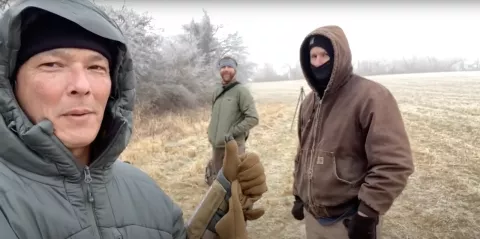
[249,110]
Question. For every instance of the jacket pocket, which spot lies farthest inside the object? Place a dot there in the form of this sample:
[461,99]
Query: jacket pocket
[326,185]
[349,170]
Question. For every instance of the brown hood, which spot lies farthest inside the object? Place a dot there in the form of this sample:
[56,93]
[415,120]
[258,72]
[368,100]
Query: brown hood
[342,66]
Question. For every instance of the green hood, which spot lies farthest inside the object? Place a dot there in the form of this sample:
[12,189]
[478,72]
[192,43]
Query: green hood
[34,148]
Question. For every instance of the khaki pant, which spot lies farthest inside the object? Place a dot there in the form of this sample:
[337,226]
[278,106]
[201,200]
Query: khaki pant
[216,163]
[315,230]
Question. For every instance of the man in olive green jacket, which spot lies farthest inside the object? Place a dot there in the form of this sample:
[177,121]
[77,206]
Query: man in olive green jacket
[233,113]
[67,94]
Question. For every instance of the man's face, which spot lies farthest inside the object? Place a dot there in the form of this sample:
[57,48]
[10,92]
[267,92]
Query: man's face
[69,87]
[318,56]
[227,73]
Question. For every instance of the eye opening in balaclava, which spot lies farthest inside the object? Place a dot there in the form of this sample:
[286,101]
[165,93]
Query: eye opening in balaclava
[321,73]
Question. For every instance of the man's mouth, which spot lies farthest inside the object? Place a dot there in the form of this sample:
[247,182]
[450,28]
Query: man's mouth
[78,112]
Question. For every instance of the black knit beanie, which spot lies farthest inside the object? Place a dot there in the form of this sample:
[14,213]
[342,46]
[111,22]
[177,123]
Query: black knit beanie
[323,42]
[51,31]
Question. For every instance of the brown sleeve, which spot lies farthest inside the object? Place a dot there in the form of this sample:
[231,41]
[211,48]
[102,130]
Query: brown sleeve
[299,135]
[388,152]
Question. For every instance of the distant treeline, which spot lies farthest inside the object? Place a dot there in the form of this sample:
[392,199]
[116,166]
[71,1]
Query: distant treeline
[380,67]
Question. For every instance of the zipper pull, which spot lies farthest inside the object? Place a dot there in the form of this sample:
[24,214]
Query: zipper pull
[88,180]
[88,177]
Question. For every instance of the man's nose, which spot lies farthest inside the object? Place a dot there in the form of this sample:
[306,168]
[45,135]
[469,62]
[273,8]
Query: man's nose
[80,84]
[319,61]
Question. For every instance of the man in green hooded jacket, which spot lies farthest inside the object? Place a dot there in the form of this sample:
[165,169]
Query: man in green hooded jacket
[67,92]
[233,113]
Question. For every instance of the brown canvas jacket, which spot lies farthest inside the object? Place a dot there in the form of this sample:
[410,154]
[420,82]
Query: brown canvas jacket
[352,143]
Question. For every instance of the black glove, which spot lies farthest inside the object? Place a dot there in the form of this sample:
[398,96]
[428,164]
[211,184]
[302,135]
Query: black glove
[361,227]
[297,210]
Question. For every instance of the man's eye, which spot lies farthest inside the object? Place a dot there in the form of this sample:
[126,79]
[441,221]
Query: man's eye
[98,68]
[51,64]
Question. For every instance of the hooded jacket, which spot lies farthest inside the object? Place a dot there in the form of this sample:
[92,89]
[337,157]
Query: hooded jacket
[44,192]
[234,113]
[353,146]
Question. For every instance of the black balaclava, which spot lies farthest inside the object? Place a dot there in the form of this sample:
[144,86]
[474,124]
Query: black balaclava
[322,73]
[50,31]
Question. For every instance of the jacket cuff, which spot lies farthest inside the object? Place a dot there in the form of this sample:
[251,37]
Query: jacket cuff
[367,210]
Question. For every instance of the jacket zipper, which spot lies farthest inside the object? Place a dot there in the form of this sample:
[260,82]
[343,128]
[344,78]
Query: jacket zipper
[311,160]
[88,181]
[217,122]
[90,203]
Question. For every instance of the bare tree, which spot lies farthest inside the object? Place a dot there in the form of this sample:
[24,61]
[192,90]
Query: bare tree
[170,71]
[214,47]
[5,4]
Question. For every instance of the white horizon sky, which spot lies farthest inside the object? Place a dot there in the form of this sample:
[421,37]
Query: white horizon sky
[273,32]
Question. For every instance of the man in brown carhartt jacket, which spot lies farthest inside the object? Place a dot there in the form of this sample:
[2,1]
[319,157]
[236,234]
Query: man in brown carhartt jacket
[354,156]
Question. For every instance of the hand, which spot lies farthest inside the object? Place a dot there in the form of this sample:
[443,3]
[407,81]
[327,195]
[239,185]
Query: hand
[231,160]
[239,184]
[248,183]
[361,226]
[252,183]
[297,209]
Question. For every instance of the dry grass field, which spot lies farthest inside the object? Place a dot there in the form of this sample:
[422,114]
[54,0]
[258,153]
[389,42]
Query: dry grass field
[442,115]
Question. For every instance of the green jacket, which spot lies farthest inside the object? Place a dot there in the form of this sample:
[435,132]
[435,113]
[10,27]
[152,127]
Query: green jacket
[44,192]
[233,113]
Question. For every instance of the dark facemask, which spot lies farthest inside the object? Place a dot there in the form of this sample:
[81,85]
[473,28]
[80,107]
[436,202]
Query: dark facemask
[322,74]
[321,77]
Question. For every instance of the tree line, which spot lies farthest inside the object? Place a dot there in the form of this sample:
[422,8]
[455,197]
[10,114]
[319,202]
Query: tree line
[379,67]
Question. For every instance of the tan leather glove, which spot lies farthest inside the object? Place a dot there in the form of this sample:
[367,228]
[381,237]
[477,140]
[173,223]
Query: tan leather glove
[247,175]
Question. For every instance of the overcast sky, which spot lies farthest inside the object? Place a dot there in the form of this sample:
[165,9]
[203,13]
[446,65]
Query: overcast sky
[273,32]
